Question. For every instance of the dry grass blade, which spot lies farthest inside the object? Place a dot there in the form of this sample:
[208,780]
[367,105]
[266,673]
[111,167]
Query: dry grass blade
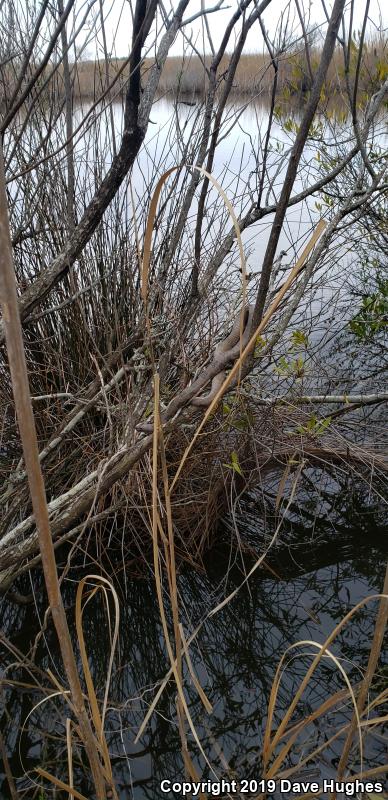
[103,584]
[206,702]
[169,547]
[236,226]
[158,579]
[151,221]
[380,626]
[249,347]
[155,526]
[98,719]
[269,745]
[7,770]
[61,784]
[88,678]
[69,748]
[149,231]
[273,770]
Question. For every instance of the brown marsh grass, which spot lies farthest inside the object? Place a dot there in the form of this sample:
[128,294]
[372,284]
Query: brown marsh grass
[254,75]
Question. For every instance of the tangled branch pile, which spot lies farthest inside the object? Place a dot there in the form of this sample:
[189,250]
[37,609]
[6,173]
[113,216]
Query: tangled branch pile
[94,339]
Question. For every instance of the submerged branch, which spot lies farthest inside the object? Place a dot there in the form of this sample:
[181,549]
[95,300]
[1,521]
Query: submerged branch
[359,399]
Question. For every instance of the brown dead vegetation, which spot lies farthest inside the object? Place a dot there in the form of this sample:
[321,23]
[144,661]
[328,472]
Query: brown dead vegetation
[254,77]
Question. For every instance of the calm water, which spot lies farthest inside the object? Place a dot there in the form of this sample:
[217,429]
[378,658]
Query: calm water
[330,553]
[236,166]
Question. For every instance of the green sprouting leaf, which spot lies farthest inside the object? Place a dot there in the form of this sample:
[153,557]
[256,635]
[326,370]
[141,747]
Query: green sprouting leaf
[259,345]
[295,368]
[234,463]
[299,339]
[283,367]
[314,426]
[328,201]
[241,423]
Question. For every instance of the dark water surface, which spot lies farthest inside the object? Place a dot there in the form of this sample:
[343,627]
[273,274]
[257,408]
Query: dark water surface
[330,554]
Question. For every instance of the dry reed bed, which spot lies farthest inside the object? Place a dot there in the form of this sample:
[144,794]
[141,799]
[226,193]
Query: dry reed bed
[254,75]
[241,443]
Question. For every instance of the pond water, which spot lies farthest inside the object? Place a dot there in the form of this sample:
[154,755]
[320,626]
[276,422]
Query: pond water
[329,555]
[172,138]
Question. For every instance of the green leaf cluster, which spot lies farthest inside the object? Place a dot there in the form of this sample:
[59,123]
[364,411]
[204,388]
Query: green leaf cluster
[314,426]
[299,339]
[294,368]
[372,318]
[234,464]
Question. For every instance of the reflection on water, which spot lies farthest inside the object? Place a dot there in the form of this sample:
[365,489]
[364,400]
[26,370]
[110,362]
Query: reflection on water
[330,554]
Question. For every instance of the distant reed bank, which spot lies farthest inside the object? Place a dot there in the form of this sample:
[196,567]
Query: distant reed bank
[254,74]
